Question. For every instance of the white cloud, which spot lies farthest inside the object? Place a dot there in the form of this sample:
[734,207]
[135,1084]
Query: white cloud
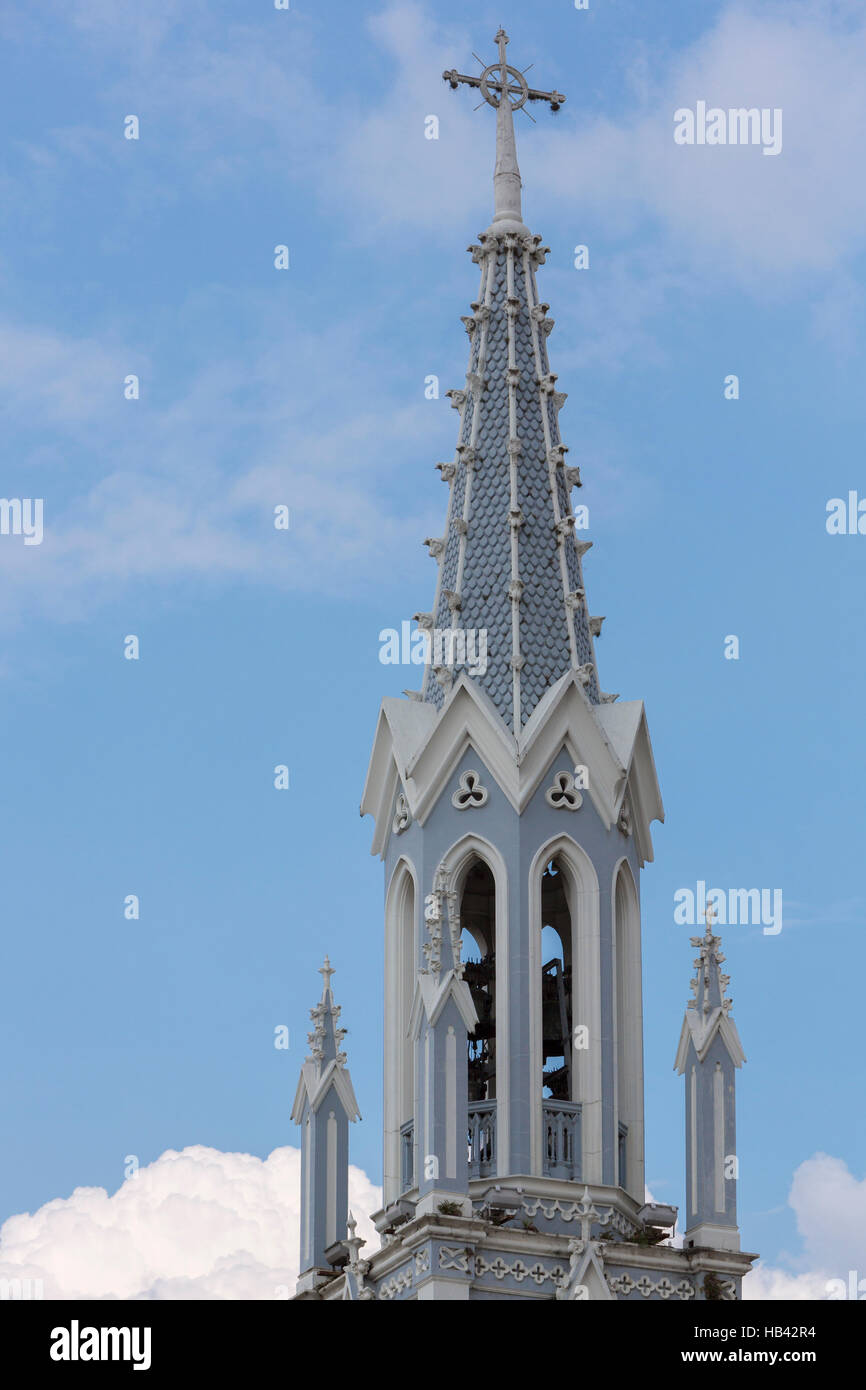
[766,1284]
[57,379]
[205,1224]
[187,492]
[193,1224]
[731,208]
[395,176]
[830,1207]
[186,487]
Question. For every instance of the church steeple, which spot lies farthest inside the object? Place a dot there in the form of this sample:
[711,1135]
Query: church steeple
[512,804]
[510,567]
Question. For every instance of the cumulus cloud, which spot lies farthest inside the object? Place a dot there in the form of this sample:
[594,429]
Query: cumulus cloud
[830,1206]
[195,1224]
[201,1224]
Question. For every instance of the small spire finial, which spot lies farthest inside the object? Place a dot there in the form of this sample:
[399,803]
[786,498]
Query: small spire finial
[709,985]
[326,971]
[506,89]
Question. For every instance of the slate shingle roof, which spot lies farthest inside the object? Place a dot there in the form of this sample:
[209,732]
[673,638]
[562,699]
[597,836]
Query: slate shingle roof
[484,578]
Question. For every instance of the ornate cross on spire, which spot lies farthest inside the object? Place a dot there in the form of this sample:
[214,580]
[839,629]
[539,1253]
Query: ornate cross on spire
[506,89]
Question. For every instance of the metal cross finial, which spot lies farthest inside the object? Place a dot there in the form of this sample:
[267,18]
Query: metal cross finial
[499,77]
[506,90]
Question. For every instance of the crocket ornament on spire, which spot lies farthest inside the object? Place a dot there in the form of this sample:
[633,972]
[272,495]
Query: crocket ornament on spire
[506,89]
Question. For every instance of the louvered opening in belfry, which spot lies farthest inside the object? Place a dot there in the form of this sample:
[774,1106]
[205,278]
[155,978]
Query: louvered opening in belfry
[478,922]
[556,986]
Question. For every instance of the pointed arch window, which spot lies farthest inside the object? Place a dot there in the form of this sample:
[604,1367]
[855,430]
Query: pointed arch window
[478,924]
[401,955]
[556,987]
[628,1035]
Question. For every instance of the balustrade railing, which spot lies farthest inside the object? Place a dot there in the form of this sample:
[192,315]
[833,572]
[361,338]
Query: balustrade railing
[561,1142]
[482,1138]
[561,1139]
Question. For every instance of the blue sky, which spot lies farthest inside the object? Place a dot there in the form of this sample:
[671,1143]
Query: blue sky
[306,387]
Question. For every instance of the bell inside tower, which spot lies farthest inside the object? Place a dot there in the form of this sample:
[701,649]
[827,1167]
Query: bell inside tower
[556,982]
[478,923]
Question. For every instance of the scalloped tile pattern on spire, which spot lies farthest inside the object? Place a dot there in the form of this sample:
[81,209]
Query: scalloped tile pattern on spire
[482,580]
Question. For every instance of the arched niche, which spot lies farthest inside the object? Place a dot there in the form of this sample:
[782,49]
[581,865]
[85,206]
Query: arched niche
[628,1034]
[401,963]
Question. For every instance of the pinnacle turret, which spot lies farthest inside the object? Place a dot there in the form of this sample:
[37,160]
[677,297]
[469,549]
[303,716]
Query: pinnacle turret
[324,1105]
[708,1056]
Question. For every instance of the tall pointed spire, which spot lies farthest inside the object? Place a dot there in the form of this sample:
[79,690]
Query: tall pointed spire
[510,586]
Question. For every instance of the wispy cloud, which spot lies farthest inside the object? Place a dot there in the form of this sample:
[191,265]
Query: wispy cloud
[188,487]
[727,209]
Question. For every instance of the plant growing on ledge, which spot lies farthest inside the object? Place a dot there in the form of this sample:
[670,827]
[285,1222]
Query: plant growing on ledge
[450,1208]
[713,1288]
[650,1236]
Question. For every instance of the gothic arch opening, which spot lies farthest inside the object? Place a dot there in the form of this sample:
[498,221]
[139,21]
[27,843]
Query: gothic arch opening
[566,1074]
[401,949]
[628,1033]
[476,873]
[478,931]
[556,986]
